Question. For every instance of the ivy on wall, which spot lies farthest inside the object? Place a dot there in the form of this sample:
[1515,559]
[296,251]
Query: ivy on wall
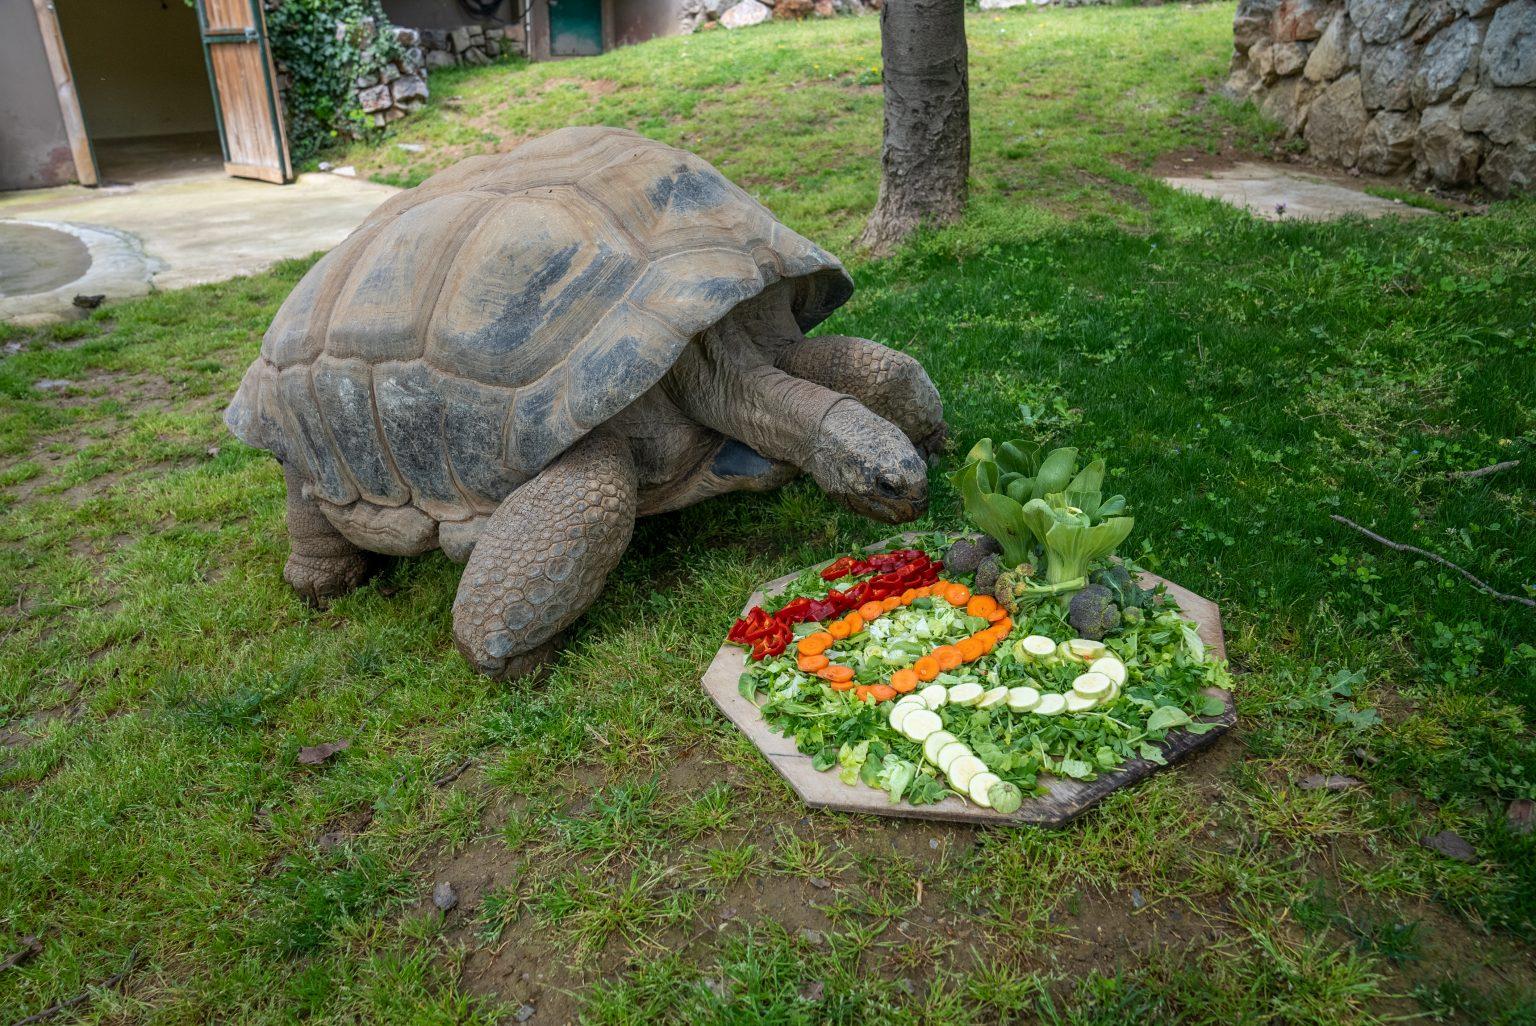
[321,47]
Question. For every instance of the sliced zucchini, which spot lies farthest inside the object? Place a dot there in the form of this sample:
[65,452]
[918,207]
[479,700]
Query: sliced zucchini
[968,693]
[980,786]
[1023,699]
[919,723]
[1005,797]
[993,698]
[1092,685]
[962,770]
[1085,649]
[1110,667]
[1077,703]
[950,753]
[1050,705]
[1038,646]
[899,715]
[934,695]
[935,744]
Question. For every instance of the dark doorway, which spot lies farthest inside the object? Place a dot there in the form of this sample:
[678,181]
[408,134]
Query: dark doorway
[575,28]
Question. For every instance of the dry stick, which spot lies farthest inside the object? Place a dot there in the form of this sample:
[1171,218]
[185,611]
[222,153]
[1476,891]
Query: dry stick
[30,946]
[84,995]
[453,774]
[1400,547]
[1462,475]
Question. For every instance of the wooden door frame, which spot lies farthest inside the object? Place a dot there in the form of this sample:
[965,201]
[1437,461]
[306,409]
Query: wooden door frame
[64,91]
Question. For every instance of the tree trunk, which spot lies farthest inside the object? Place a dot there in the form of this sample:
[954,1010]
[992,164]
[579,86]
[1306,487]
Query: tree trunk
[927,150]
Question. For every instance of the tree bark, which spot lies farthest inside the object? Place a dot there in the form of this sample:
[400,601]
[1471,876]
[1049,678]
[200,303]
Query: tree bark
[927,147]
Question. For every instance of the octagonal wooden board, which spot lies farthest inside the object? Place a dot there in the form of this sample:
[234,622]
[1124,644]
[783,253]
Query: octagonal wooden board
[1066,799]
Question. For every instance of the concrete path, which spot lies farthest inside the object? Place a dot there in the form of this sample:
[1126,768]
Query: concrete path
[122,241]
[1275,192]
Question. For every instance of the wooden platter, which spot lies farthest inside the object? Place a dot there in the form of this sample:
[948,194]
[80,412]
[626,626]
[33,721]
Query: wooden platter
[1066,800]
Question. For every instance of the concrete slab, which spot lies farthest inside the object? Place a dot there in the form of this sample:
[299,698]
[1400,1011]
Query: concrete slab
[46,264]
[188,230]
[1275,193]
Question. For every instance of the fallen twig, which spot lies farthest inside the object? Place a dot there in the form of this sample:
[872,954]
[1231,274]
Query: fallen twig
[84,995]
[453,774]
[30,948]
[1400,547]
[1463,475]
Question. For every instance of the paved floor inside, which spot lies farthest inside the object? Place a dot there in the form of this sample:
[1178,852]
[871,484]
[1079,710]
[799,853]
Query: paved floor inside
[1275,192]
[167,216]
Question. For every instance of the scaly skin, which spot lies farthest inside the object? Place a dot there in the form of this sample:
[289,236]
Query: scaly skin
[322,565]
[888,382]
[545,554]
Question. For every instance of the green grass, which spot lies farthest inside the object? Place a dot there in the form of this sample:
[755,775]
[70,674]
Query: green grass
[616,839]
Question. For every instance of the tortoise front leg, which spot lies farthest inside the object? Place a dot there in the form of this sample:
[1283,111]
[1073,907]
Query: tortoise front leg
[544,555]
[322,565]
[889,382]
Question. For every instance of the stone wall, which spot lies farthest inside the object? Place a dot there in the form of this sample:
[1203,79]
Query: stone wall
[1442,89]
[467,44]
[709,14]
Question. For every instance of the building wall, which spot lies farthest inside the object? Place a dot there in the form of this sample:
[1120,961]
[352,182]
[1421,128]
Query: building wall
[635,21]
[34,151]
[138,66]
[445,14]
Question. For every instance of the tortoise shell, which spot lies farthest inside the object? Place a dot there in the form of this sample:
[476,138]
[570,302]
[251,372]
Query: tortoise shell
[475,326]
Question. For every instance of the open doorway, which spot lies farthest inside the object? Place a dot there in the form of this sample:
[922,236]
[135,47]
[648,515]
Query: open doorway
[143,88]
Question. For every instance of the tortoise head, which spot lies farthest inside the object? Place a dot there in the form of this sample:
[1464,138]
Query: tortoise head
[867,464]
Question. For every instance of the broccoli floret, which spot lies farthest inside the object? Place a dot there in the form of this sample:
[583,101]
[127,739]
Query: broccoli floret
[1093,612]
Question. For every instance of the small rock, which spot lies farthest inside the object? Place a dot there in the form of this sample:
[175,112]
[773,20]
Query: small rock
[1331,782]
[933,842]
[89,302]
[811,936]
[346,171]
[813,991]
[447,899]
[1521,816]
[51,384]
[213,451]
[1364,757]
[1450,844]
[718,987]
[1137,901]
[12,348]
[748,12]
[331,840]
[325,165]
[821,883]
[523,1013]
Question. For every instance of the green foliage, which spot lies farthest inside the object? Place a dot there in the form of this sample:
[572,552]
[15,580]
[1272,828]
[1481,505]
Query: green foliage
[324,45]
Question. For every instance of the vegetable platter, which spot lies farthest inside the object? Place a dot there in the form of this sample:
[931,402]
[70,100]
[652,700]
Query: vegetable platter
[891,688]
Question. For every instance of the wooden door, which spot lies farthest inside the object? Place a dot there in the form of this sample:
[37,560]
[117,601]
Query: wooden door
[245,100]
[575,28]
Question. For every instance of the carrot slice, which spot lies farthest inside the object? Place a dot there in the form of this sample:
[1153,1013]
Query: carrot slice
[888,604]
[882,692]
[988,641]
[981,605]
[957,594]
[855,623]
[926,668]
[812,663]
[904,681]
[925,591]
[838,630]
[971,649]
[998,613]
[842,685]
[870,611]
[1002,627]
[815,644]
[909,596]
[948,657]
[861,692]
[835,674]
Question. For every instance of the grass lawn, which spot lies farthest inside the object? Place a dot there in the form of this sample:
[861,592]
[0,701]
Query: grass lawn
[620,853]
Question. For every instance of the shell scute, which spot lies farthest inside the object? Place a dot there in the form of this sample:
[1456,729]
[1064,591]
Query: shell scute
[344,392]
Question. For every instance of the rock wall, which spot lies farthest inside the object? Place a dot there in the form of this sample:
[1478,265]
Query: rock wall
[709,14]
[1442,89]
[467,44]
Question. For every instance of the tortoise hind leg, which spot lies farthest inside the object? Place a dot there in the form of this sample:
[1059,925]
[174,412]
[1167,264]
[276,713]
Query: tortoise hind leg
[542,558]
[322,565]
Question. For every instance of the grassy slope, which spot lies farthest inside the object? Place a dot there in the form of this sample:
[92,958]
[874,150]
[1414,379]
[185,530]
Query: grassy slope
[1245,380]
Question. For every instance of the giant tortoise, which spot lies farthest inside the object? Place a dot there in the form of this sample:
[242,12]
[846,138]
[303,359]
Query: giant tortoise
[516,358]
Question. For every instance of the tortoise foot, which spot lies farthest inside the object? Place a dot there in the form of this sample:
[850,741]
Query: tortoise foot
[320,579]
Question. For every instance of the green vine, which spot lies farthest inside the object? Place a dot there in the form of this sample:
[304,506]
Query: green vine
[323,46]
